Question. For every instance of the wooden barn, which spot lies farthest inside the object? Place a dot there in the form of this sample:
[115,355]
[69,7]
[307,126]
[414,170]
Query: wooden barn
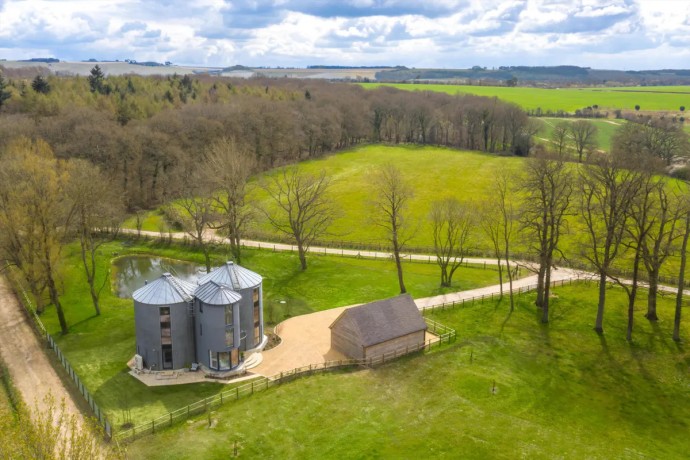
[379,327]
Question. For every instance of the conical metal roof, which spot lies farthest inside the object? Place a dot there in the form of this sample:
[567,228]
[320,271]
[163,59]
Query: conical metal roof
[165,290]
[212,293]
[233,276]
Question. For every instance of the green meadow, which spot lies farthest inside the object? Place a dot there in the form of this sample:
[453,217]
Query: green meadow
[434,173]
[667,99]
[99,347]
[605,129]
[508,388]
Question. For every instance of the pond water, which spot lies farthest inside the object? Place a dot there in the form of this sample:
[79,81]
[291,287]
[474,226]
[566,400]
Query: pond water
[130,272]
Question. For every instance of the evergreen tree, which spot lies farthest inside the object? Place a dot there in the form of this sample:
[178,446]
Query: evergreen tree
[4,92]
[96,80]
[40,85]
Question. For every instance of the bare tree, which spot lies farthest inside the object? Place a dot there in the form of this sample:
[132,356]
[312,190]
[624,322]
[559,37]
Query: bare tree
[97,213]
[657,244]
[642,220]
[606,191]
[560,137]
[547,185]
[193,210]
[452,223]
[228,167]
[584,135]
[506,215]
[391,198]
[490,221]
[303,209]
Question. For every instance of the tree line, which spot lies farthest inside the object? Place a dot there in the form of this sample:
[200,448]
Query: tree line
[146,133]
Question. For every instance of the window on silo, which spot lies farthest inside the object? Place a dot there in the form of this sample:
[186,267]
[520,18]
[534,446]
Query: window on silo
[228,315]
[166,333]
[229,337]
[257,317]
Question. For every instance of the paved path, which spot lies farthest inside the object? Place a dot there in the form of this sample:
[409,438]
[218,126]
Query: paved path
[24,355]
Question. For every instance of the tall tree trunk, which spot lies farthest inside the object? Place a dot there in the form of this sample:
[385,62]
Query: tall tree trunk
[540,285]
[651,300]
[546,287]
[302,255]
[54,296]
[89,269]
[500,275]
[510,281]
[681,280]
[632,295]
[599,325]
[398,265]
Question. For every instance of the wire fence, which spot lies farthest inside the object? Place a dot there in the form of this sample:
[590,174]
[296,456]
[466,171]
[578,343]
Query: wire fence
[28,305]
[443,334]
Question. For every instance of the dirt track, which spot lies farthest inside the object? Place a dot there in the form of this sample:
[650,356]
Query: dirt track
[24,355]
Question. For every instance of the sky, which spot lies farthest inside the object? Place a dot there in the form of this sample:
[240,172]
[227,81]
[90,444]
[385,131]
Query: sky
[603,34]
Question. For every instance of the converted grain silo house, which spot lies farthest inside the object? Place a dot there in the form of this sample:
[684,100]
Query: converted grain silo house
[213,323]
[376,328]
[163,321]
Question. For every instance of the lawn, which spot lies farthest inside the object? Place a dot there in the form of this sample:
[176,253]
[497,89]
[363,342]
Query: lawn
[568,99]
[509,388]
[99,346]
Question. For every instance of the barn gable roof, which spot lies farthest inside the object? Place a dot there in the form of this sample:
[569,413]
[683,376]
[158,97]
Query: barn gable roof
[383,320]
[165,290]
[233,276]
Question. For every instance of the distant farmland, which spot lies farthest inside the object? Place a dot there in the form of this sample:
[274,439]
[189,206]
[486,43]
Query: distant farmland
[649,98]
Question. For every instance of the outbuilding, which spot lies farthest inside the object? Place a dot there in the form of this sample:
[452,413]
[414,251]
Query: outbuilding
[377,328]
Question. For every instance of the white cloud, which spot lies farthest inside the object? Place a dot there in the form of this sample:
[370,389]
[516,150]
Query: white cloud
[447,33]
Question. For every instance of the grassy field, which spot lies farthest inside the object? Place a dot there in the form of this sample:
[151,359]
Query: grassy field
[569,99]
[561,391]
[605,129]
[435,173]
[99,346]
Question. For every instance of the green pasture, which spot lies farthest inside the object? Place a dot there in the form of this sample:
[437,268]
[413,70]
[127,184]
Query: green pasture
[508,388]
[99,347]
[568,99]
[605,129]
[434,173]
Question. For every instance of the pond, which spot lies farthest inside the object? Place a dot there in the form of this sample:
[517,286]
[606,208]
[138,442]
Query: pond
[131,272]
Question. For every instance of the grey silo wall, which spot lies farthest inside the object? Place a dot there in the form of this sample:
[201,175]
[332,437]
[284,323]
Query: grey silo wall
[247,317]
[148,334]
[210,330]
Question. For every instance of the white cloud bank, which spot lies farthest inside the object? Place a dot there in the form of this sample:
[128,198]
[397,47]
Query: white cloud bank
[625,34]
